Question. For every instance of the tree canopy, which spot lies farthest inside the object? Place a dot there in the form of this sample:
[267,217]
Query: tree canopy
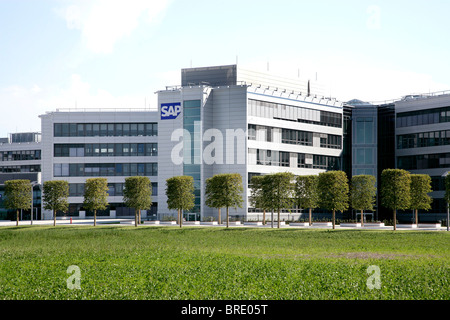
[137,194]
[96,195]
[180,194]
[363,193]
[18,195]
[224,190]
[395,190]
[333,192]
[259,194]
[306,193]
[55,196]
[281,195]
[420,187]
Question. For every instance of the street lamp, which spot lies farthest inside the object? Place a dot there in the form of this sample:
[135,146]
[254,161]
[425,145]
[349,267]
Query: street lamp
[446,200]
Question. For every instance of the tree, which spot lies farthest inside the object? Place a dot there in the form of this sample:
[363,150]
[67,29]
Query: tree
[420,187]
[306,193]
[56,193]
[447,197]
[362,194]
[225,190]
[137,194]
[258,194]
[213,194]
[395,190]
[333,192]
[281,195]
[18,196]
[180,194]
[96,195]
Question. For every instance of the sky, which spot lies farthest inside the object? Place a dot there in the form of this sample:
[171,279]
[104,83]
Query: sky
[57,54]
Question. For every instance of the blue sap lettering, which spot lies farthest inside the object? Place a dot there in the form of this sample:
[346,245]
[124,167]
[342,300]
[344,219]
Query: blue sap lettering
[164,111]
[170,110]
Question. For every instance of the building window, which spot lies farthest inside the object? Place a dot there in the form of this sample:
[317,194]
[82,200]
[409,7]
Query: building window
[267,157]
[423,117]
[104,169]
[284,159]
[293,113]
[364,131]
[104,129]
[105,150]
[424,161]
[364,156]
[326,162]
[251,132]
[303,138]
[20,155]
[423,139]
[331,141]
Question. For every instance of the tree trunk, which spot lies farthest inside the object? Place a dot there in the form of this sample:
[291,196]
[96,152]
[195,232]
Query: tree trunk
[417,216]
[220,218]
[334,219]
[135,218]
[278,222]
[395,219]
[228,217]
[264,217]
[181,217]
[271,218]
[95,218]
[310,220]
[17,218]
[54,218]
[362,218]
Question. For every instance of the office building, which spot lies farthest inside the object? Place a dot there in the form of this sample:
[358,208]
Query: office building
[224,119]
[423,144]
[20,158]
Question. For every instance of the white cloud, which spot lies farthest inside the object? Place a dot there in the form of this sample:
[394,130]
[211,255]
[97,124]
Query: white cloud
[104,22]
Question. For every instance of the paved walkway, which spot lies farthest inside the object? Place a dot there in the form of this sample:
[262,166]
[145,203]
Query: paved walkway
[130,222]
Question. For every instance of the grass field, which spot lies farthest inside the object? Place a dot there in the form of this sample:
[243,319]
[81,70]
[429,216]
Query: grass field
[218,263]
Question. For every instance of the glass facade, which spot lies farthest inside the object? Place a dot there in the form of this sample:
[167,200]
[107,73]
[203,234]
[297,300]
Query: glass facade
[364,140]
[106,150]
[20,155]
[12,169]
[423,139]
[424,161]
[302,138]
[293,113]
[114,189]
[104,129]
[104,169]
[364,130]
[423,117]
[192,150]
[295,137]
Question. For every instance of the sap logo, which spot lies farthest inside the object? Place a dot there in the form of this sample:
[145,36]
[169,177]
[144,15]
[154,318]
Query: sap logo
[170,110]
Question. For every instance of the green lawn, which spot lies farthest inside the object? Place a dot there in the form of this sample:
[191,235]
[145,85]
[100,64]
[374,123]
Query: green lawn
[219,263]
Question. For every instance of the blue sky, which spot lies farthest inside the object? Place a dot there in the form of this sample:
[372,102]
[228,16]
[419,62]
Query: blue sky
[116,54]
